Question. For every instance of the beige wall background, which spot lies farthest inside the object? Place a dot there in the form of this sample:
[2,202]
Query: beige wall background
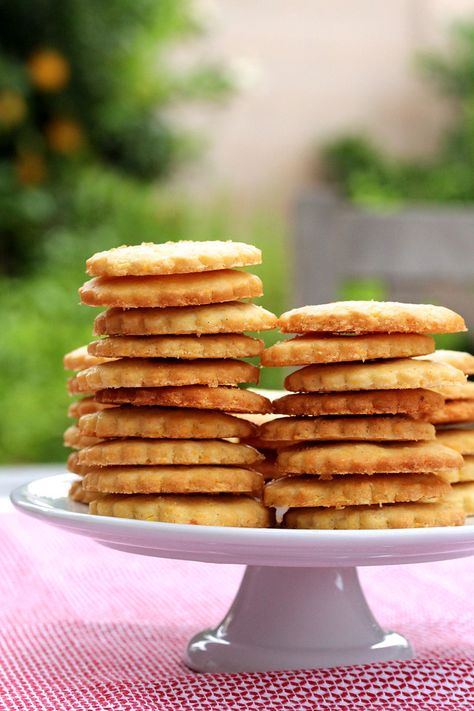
[308,71]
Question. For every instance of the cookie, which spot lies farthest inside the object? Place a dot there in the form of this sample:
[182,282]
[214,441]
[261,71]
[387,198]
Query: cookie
[354,490]
[311,348]
[224,345]
[462,494]
[462,440]
[385,375]
[220,510]
[171,290]
[164,423]
[372,428]
[74,466]
[80,495]
[458,359]
[85,407]
[75,439]
[181,257]
[410,515]
[454,411]
[231,317]
[141,372]
[417,403]
[371,317]
[228,399]
[329,459]
[174,480]
[168,451]
[466,473]
[457,391]
[268,469]
[80,358]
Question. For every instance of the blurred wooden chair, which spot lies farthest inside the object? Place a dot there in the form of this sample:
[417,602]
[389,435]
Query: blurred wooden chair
[421,254]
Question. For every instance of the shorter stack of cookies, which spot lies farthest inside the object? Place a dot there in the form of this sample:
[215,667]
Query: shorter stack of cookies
[168,448]
[455,425]
[356,448]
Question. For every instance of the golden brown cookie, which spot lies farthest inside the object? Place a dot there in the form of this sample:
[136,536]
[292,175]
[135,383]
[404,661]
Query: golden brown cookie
[74,466]
[181,257]
[80,358]
[462,440]
[462,494]
[228,399]
[141,372]
[168,451]
[171,290]
[466,473]
[174,480]
[231,317]
[75,439]
[458,359]
[329,459]
[408,515]
[417,403]
[457,391]
[224,345]
[371,317]
[297,491]
[85,406]
[385,375]
[312,348]
[80,495]
[371,428]
[220,510]
[164,423]
[454,411]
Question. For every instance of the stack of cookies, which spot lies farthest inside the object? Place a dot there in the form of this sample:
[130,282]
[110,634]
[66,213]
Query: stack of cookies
[165,446]
[455,425]
[356,448]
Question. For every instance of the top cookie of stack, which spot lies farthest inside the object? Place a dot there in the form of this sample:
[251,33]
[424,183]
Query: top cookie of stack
[174,334]
[366,455]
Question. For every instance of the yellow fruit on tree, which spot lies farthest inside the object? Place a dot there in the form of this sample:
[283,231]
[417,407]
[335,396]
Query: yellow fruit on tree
[64,135]
[49,70]
[12,108]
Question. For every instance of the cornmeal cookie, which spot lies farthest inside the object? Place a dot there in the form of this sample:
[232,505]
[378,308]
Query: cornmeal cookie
[408,515]
[463,495]
[166,423]
[80,358]
[385,375]
[417,403]
[371,317]
[75,439]
[80,495]
[168,451]
[329,459]
[458,391]
[74,466]
[466,473]
[141,372]
[391,427]
[454,411]
[309,349]
[220,510]
[458,359]
[224,345]
[171,290]
[462,440]
[172,258]
[354,490]
[85,407]
[174,480]
[228,399]
[231,317]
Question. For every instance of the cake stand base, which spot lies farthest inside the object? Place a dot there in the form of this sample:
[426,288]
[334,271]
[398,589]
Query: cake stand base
[294,618]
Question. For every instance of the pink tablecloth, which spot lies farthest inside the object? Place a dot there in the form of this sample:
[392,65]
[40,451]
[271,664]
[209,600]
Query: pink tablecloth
[83,627]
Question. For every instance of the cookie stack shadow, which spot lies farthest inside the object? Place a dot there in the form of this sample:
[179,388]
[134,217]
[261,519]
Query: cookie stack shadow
[157,434]
[356,447]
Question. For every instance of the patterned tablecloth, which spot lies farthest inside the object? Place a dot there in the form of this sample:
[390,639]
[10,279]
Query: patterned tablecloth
[87,628]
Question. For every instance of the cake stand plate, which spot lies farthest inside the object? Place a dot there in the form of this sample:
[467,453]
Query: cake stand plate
[300,604]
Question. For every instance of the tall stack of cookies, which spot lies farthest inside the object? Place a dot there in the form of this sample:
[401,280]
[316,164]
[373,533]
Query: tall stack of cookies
[172,343]
[455,425]
[356,448]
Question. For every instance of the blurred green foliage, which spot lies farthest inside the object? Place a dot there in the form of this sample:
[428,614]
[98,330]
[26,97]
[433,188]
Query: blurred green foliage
[369,177]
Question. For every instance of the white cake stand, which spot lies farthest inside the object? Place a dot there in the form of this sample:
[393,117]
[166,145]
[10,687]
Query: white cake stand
[300,604]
